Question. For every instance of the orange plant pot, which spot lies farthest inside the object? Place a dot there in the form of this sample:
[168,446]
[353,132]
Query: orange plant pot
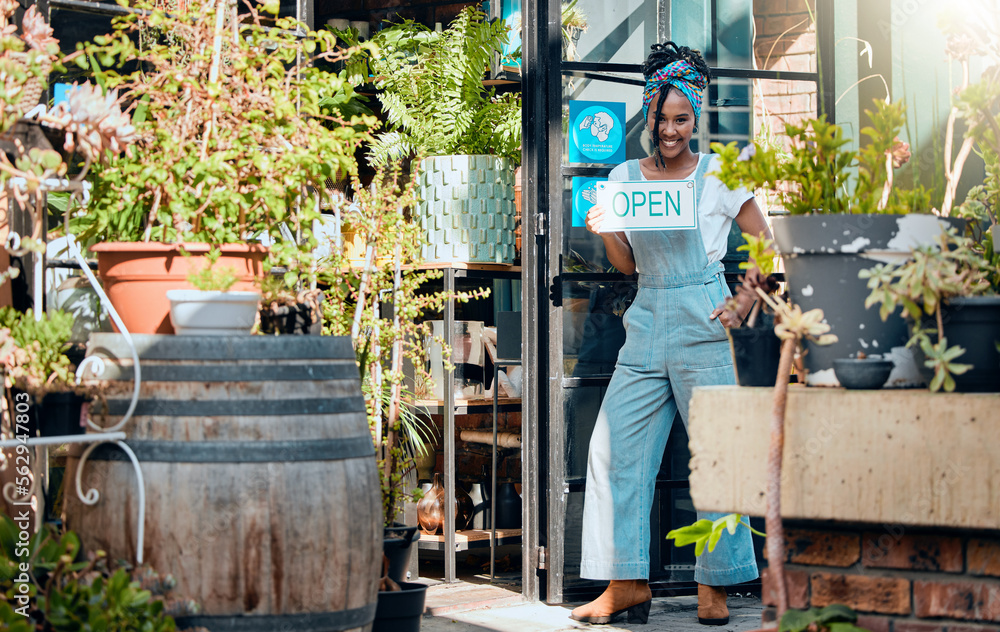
[136,277]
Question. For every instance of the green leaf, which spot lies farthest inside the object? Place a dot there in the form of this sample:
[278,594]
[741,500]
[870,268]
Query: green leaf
[836,612]
[683,536]
[732,522]
[843,626]
[797,620]
[713,539]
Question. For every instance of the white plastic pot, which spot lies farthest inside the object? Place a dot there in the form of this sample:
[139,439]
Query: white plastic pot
[198,313]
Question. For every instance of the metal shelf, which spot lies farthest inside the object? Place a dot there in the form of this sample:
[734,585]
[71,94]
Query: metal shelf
[469,539]
[450,541]
[469,406]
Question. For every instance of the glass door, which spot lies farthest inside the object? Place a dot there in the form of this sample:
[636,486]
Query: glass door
[584,117]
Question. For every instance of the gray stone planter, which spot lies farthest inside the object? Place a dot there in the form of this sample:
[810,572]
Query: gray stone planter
[467,208]
[823,255]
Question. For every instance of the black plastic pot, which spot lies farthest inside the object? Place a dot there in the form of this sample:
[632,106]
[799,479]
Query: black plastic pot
[756,354]
[823,255]
[293,319]
[400,611]
[972,323]
[396,546]
[60,415]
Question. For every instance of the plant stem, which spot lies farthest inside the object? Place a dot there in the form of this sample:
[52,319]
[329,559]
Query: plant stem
[754,311]
[397,370]
[952,188]
[772,519]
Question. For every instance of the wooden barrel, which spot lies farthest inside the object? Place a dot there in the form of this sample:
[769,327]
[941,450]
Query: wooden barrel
[262,495]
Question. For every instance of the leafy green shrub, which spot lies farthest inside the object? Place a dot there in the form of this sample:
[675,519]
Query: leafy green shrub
[233,142]
[382,340]
[68,595]
[432,92]
[820,176]
[37,362]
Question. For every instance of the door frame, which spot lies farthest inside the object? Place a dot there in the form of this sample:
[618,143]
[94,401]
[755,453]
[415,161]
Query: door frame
[545,485]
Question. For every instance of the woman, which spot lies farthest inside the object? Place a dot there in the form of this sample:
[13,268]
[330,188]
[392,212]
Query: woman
[675,340]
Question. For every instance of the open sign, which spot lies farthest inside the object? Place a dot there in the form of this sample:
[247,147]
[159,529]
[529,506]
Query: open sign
[648,205]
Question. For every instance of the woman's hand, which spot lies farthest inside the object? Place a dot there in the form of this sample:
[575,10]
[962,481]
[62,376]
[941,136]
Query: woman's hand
[595,217]
[615,243]
[733,312]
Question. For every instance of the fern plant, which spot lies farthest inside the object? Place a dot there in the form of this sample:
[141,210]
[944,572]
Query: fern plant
[431,89]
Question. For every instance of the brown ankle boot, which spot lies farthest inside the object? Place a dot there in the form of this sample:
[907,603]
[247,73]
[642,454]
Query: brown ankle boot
[631,596]
[712,608]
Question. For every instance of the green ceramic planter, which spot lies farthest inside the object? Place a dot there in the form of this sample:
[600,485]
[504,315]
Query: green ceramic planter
[467,209]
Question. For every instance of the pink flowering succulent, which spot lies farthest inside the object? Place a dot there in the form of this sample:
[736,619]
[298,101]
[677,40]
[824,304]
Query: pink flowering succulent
[93,122]
[37,33]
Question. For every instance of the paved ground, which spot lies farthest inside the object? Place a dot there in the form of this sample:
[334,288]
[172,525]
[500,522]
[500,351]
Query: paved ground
[470,608]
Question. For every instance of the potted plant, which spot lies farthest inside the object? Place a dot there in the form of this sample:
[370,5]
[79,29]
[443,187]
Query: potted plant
[792,327]
[467,138]
[233,148]
[950,295]
[38,370]
[388,344]
[30,167]
[841,205]
[211,309]
[756,349]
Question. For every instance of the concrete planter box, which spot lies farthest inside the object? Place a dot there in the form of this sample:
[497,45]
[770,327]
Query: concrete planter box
[884,457]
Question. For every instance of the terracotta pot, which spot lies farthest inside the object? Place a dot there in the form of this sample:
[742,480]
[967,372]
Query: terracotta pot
[136,277]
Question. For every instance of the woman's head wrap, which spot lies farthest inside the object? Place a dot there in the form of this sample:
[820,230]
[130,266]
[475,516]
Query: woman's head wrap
[683,76]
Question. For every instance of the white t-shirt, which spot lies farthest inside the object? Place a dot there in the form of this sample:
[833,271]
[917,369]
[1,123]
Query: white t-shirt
[716,211]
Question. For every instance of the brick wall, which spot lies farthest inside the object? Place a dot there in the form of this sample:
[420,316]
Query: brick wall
[785,40]
[472,459]
[898,579]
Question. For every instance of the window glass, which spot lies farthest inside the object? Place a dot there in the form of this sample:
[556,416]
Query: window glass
[619,32]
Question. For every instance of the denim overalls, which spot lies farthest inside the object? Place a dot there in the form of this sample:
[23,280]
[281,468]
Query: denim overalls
[671,346]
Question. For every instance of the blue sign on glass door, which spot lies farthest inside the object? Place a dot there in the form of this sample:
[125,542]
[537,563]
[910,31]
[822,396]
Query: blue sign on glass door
[596,132]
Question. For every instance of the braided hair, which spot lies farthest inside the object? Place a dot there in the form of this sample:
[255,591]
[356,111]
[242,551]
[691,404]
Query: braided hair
[660,56]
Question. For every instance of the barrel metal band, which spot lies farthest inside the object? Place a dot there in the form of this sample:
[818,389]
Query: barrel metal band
[306,622]
[195,348]
[242,407]
[229,372]
[240,451]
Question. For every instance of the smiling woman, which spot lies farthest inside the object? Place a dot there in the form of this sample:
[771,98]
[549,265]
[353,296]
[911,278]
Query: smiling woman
[680,282]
